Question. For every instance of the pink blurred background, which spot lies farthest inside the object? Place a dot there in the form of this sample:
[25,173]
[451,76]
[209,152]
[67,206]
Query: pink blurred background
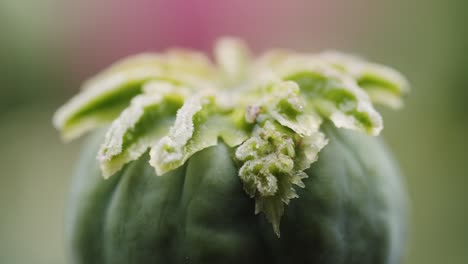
[119,28]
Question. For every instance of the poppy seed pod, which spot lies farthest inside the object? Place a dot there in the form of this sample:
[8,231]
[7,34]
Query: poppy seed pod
[273,159]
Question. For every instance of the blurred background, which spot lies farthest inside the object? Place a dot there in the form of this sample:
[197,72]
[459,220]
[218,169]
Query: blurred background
[48,47]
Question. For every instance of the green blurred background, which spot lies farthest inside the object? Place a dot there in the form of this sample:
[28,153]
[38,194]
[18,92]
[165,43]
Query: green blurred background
[48,47]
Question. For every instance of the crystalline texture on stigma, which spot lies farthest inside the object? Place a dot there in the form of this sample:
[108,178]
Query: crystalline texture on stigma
[170,148]
[265,155]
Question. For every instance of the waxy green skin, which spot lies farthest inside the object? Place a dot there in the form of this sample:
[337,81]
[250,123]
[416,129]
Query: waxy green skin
[352,210]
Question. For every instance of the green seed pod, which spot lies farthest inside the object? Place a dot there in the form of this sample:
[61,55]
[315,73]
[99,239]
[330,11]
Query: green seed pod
[252,161]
